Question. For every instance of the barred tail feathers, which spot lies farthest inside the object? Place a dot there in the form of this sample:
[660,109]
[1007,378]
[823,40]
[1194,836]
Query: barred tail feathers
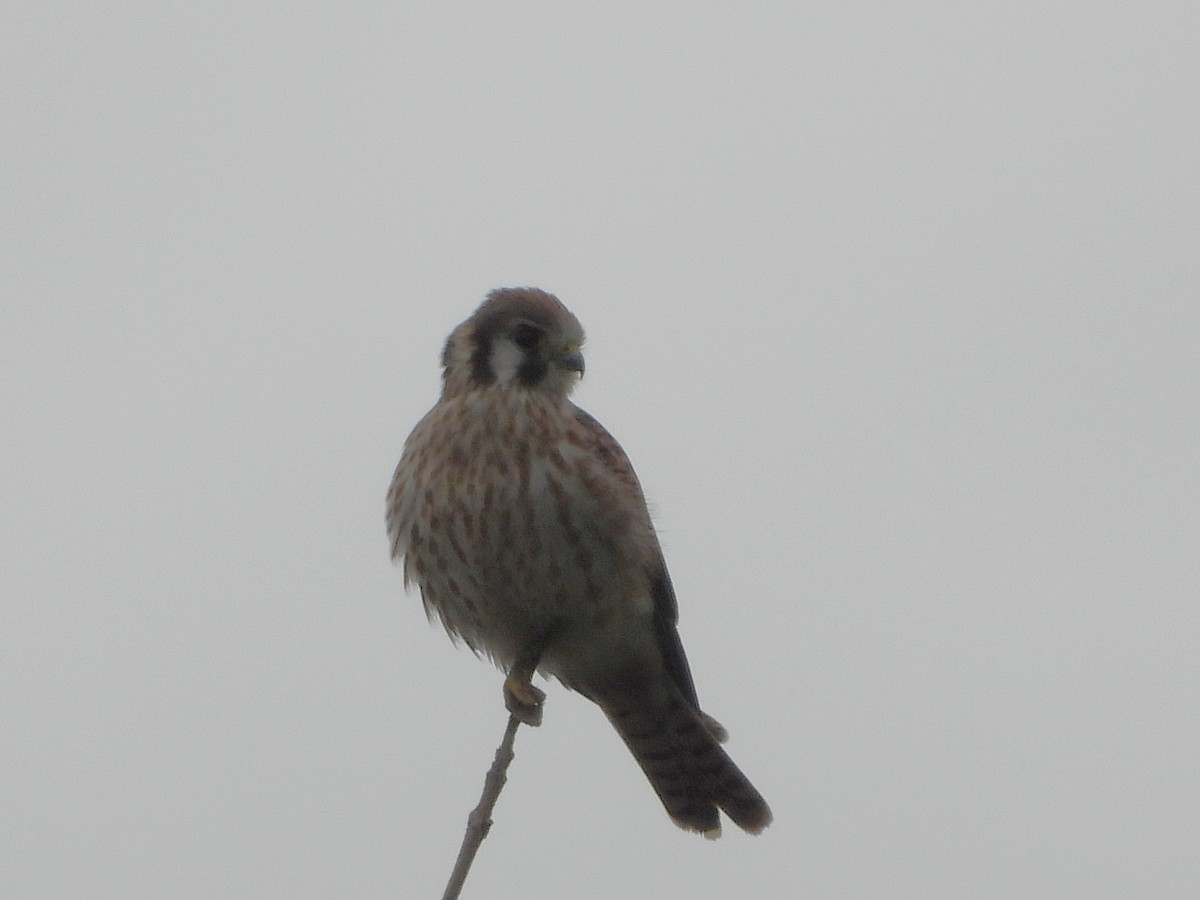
[678,749]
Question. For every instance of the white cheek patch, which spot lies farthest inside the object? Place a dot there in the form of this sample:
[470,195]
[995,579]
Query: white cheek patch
[506,360]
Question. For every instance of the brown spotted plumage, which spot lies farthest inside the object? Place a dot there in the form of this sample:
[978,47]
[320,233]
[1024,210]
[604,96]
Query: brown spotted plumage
[522,522]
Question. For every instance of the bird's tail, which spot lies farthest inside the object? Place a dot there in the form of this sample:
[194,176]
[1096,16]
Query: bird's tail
[678,748]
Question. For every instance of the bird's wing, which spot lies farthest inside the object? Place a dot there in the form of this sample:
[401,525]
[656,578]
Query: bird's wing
[666,608]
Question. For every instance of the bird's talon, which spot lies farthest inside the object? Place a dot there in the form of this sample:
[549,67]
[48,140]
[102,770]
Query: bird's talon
[523,700]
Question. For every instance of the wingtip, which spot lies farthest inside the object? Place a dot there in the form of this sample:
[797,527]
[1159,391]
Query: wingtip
[760,827]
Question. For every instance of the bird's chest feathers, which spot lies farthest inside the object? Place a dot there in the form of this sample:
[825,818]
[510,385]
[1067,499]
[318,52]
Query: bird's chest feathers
[529,506]
[516,526]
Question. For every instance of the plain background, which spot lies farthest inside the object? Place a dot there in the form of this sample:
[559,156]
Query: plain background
[893,306]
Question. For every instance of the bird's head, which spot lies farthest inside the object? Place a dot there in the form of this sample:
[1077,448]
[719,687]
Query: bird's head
[519,337]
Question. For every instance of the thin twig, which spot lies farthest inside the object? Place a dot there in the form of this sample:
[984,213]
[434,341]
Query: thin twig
[480,819]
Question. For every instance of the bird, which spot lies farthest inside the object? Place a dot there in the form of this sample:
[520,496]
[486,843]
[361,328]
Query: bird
[520,519]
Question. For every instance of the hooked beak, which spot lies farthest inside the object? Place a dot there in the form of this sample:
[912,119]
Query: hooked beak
[572,361]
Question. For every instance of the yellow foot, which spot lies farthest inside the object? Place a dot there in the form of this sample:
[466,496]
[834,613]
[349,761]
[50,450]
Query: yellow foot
[522,699]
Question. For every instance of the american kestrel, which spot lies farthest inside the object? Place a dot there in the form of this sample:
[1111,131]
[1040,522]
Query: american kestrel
[522,522]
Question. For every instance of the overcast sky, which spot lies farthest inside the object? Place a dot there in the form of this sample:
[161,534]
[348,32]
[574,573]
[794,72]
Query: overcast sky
[895,311]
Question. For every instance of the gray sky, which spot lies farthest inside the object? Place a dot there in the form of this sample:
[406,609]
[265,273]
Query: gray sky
[895,311]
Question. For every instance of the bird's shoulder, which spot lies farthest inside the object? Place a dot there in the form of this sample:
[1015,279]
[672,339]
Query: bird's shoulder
[595,439]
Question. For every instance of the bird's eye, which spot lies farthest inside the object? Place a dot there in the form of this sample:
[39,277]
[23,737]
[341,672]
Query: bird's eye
[525,335]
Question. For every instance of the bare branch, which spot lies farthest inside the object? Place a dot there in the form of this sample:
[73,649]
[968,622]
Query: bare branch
[479,822]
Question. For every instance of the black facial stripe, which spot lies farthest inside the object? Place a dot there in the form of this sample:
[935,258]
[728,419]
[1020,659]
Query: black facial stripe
[533,369]
[481,363]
